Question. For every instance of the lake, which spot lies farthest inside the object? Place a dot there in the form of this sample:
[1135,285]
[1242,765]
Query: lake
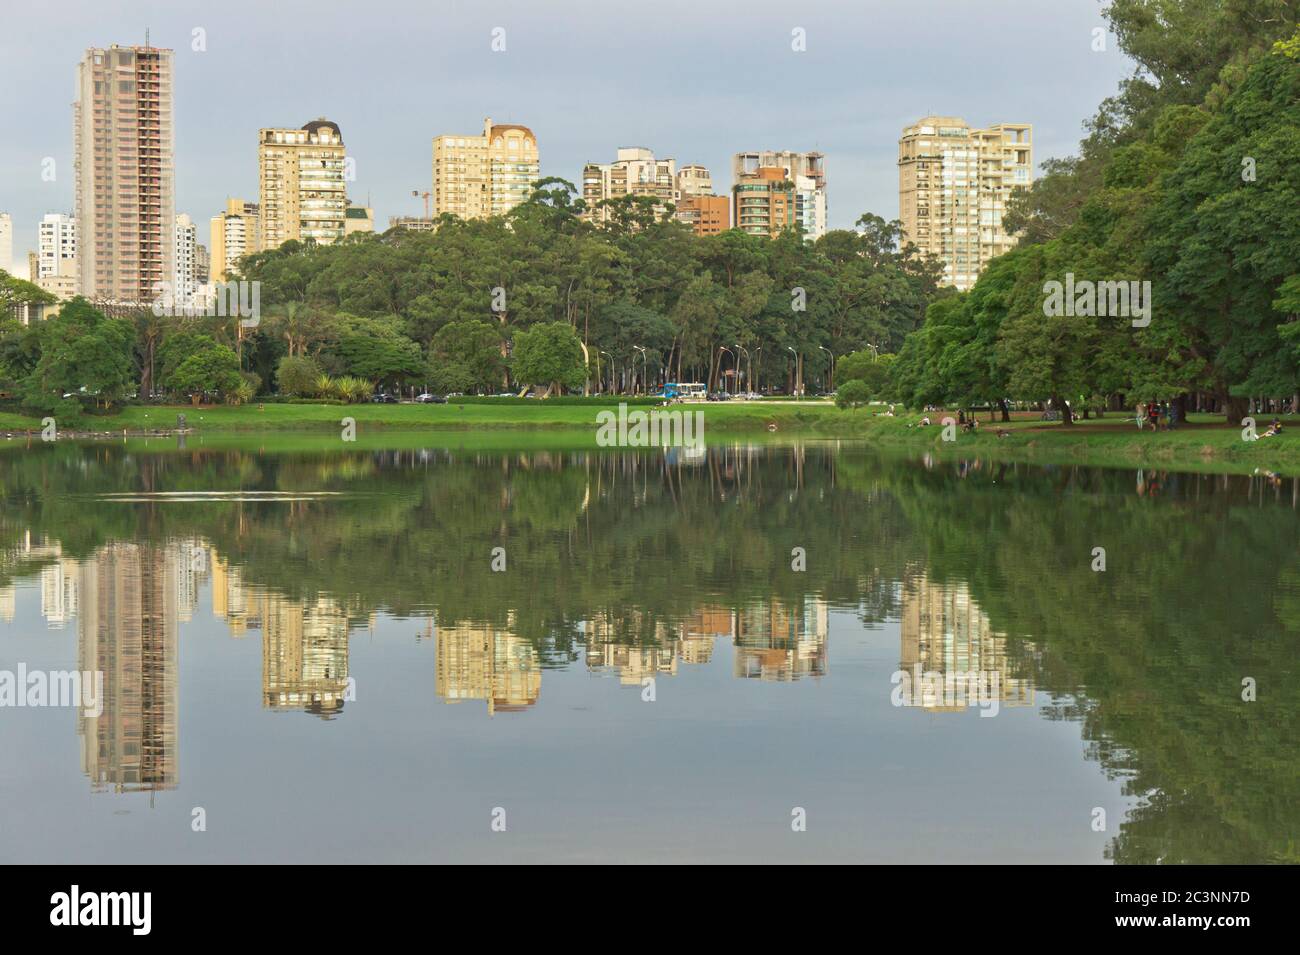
[454,649]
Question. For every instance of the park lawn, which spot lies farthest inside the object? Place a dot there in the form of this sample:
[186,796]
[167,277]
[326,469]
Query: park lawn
[738,415]
[1205,440]
[1204,443]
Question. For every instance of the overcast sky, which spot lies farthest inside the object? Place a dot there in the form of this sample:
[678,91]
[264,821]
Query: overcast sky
[696,80]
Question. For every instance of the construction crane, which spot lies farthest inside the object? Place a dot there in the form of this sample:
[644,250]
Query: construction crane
[425,196]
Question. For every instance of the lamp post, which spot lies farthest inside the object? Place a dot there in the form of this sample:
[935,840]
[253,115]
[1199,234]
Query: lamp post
[749,382]
[724,348]
[798,391]
[830,385]
[645,370]
[601,351]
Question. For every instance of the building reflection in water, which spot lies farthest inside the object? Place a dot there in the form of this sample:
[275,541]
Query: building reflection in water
[781,640]
[488,663]
[304,642]
[631,645]
[945,632]
[129,602]
[773,640]
[8,603]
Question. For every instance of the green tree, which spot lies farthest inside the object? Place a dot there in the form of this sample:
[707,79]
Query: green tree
[85,357]
[213,369]
[467,356]
[853,394]
[551,355]
[297,375]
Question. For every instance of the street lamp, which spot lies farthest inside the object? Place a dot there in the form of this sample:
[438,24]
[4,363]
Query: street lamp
[797,389]
[645,370]
[601,351]
[724,348]
[749,382]
[830,386]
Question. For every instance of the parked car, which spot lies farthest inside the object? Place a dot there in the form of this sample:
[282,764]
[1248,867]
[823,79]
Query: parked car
[384,399]
[428,399]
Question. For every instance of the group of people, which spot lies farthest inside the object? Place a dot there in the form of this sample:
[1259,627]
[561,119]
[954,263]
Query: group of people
[1160,415]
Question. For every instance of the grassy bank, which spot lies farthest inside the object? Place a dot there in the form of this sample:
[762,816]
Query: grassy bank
[1205,442]
[740,416]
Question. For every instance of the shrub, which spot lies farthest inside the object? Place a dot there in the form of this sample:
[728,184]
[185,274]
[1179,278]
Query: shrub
[852,394]
[297,375]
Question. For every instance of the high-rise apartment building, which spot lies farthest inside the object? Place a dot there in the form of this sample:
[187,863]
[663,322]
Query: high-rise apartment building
[806,173]
[479,176]
[302,176]
[125,190]
[635,172]
[694,180]
[764,201]
[705,214]
[233,234]
[6,243]
[185,276]
[202,263]
[953,184]
[56,246]
[697,204]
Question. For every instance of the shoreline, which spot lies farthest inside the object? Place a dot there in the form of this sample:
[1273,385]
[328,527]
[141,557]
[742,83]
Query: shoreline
[1204,441]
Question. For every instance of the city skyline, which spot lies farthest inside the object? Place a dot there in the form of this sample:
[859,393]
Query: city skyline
[701,112]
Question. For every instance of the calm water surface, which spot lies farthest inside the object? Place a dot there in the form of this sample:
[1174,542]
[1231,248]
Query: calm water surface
[682,657]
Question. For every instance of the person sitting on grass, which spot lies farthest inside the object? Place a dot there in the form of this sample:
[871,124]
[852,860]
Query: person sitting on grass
[1273,429]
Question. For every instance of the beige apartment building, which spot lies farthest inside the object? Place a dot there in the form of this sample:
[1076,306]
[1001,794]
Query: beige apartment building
[634,172]
[694,180]
[953,185]
[479,176]
[56,247]
[302,184]
[233,234]
[125,180]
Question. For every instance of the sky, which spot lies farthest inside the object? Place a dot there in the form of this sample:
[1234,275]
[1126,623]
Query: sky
[695,80]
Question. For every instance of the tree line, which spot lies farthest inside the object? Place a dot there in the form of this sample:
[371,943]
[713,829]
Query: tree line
[538,297]
[1189,180]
